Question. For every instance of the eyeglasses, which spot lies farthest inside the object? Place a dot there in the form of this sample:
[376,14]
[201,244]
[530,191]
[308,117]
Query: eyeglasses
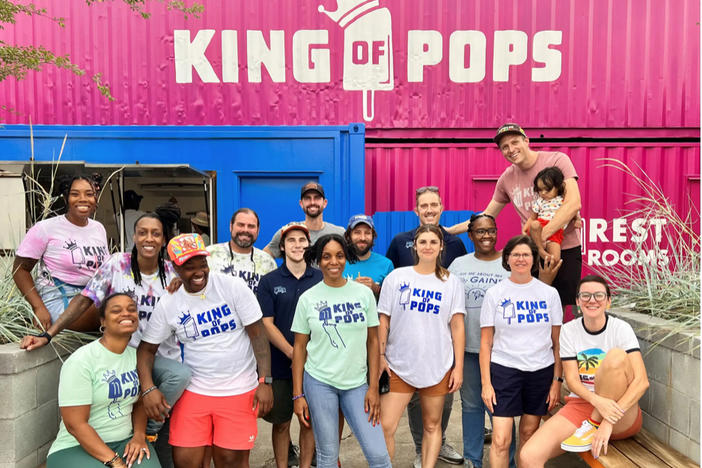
[482,232]
[427,188]
[586,296]
[520,255]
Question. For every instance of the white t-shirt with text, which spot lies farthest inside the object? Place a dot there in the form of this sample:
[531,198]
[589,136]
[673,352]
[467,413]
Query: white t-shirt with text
[210,326]
[420,347]
[523,316]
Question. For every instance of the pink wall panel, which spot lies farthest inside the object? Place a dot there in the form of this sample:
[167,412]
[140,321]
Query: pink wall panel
[466,175]
[623,64]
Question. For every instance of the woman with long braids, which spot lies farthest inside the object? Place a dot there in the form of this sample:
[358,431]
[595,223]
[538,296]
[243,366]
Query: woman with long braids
[144,274]
[69,249]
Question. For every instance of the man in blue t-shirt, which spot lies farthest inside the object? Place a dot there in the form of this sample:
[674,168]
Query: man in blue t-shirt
[371,268]
[277,294]
[428,210]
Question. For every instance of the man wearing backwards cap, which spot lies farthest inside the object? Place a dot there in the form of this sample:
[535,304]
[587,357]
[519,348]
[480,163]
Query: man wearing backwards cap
[371,267]
[278,293]
[312,202]
[217,320]
[516,184]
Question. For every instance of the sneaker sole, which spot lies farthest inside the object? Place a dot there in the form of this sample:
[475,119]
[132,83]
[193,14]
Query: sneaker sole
[576,449]
[451,461]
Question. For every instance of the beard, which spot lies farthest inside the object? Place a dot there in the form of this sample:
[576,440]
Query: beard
[316,214]
[244,241]
[363,251]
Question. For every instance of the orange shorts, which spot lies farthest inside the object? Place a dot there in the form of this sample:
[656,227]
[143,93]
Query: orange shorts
[577,410]
[225,421]
[398,385]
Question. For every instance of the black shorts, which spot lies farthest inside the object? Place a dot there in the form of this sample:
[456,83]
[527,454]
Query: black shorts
[568,277]
[282,410]
[520,392]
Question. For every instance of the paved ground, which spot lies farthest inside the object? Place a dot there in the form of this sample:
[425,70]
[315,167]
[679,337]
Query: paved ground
[352,457]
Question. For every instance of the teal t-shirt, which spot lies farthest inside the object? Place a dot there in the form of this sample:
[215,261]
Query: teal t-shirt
[106,381]
[337,320]
[375,267]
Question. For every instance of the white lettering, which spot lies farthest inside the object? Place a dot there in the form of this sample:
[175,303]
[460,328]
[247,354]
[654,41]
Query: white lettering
[638,226]
[593,257]
[258,54]
[476,43]
[189,55]
[598,226]
[619,230]
[424,48]
[510,49]
[658,224]
[230,57]
[551,58]
[311,62]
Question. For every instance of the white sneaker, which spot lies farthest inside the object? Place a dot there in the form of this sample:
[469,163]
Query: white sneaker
[450,455]
[417,461]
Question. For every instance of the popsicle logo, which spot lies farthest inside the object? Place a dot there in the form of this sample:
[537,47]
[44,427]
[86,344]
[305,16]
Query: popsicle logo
[367,48]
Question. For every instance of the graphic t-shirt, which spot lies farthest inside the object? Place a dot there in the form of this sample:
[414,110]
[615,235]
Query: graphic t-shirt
[250,269]
[376,267]
[65,251]
[477,276]
[328,228]
[337,320]
[419,347]
[108,382]
[523,316]
[517,186]
[545,209]
[210,325]
[589,348]
[115,275]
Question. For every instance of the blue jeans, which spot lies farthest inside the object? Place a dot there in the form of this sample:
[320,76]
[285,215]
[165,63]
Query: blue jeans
[324,402]
[474,414]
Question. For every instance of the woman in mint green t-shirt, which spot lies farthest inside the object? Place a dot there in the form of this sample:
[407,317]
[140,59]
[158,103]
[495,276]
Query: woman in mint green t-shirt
[335,351]
[103,422]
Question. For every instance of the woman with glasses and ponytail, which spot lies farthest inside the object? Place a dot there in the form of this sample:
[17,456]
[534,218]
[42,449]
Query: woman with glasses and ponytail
[144,274]
[606,375]
[520,368]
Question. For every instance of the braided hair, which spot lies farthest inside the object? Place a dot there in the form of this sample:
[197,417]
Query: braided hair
[136,273]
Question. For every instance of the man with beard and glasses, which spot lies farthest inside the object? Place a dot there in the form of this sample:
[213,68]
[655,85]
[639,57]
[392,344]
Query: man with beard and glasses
[239,257]
[312,202]
[371,267]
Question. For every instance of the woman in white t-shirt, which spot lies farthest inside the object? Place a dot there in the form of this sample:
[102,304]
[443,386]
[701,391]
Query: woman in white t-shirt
[69,249]
[422,338]
[606,375]
[520,368]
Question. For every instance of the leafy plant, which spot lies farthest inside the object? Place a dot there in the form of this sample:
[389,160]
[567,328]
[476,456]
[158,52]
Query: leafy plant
[665,289]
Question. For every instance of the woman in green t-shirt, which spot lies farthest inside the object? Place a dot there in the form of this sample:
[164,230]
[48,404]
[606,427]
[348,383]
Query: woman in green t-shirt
[103,421]
[336,348]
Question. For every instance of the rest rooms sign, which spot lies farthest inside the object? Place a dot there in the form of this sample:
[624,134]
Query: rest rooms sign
[601,237]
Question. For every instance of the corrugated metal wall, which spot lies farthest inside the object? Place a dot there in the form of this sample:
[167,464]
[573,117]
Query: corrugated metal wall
[624,64]
[466,174]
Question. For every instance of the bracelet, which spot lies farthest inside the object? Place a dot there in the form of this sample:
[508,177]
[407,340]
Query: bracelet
[45,335]
[148,390]
[297,397]
[112,460]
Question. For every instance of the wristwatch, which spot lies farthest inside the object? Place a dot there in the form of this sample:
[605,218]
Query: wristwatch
[112,461]
[266,380]
[559,379]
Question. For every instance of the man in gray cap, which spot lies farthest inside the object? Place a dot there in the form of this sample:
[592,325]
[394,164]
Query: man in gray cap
[312,202]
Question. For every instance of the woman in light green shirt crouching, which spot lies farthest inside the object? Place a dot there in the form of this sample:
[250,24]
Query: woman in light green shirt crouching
[103,422]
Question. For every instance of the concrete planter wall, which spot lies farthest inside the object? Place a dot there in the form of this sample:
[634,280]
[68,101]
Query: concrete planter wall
[671,406]
[29,413]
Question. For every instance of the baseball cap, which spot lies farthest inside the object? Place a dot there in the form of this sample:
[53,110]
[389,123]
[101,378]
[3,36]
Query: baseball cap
[355,220]
[312,186]
[186,246]
[292,227]
[506,129]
